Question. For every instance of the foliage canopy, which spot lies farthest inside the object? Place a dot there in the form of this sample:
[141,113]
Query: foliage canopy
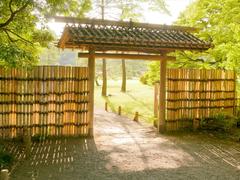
[125,9]
[22,29]
[219,23]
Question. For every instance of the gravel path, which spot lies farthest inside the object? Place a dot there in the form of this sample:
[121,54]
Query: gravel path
[123,149]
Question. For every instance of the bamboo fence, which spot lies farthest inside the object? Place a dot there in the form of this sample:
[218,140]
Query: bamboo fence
[47,100]
[194,94]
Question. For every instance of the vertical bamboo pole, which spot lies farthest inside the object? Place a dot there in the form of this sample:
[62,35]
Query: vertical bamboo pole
[162,97]
[81,108]
[91,76]
[85,105]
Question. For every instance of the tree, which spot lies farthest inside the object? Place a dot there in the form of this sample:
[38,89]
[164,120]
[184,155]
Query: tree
[124,76]
[49,55]
[218,23]
[20,39]
[127,11]
[104,63]
[124,10]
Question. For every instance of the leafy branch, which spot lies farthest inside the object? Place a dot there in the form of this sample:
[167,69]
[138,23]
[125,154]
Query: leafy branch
[14,13]
[7,31]
[9,37]
[189,58]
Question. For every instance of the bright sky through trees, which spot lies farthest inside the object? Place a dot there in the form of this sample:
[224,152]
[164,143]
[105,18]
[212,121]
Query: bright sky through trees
[174,6]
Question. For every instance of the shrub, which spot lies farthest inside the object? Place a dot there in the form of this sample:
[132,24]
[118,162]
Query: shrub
[38,138]
[5,158]
[144,78]
[220,121]
[238,122]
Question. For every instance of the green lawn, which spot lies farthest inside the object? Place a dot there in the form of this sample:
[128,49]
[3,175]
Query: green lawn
[138,98]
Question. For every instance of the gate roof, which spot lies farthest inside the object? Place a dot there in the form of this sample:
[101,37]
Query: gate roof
[107,35]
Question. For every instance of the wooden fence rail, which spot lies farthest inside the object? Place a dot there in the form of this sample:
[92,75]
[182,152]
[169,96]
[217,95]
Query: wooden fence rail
[48,100]
[195,94]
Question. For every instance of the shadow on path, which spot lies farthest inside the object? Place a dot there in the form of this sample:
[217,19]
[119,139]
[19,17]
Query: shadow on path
[123,149]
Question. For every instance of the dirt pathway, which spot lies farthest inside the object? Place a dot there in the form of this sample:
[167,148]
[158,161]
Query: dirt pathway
[123,149]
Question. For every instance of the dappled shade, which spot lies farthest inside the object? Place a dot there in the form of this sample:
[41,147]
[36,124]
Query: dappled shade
[123,149]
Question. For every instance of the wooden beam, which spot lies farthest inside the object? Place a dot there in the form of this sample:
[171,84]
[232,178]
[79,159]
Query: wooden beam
[64,39]
[129,48]
[130,24]
[128,56]
[162,97]
[91,71]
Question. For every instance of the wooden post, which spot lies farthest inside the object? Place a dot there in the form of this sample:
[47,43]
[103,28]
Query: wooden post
[196,124]
[27,141]
[106,106]
[156,102]
[91,75]
[162,97]
[119,110]
[4,174]
[156,94]
[235,95]
[136,117]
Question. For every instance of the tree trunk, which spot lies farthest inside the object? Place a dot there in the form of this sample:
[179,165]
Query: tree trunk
[124,78]
[104,76]
[96,80]
[104,63]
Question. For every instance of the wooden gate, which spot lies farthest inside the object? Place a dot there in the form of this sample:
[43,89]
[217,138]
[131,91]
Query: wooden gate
[194,94]
[48,101]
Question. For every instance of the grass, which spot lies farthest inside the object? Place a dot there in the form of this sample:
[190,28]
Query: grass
[138,98]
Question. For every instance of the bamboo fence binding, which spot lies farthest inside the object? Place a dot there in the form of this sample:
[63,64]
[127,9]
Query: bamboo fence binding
[48,101]
[193,94]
